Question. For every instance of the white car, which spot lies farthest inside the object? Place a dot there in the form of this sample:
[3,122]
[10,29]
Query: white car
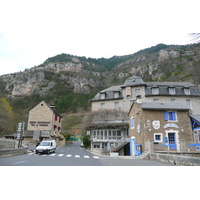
[46,146]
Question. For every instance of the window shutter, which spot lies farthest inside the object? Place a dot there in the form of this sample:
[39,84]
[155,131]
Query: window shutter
[174,116]
[132,123]
[166,116]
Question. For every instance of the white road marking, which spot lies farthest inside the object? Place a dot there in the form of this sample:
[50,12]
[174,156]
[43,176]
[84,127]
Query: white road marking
[31,154]
[53,154]
[60,155]
[20,162]
[68,155]
[96,157]
[86,157]
[77,156]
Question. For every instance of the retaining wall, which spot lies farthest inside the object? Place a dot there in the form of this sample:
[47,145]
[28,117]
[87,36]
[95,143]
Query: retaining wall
[12,152]
[7,143]
[175,159]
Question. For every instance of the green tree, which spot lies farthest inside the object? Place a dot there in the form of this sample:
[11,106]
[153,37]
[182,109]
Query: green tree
[6,117]
[86,140]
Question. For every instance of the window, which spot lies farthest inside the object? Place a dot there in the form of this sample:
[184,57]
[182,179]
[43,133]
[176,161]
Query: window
[170,116]
[197,136]
[172,90]
[173,100]
[102,106]
[103,95]
[188,103]
[117,117]
[103,118]
[132,123]
[117,105]
[158,137]
[96,145]
[137,92]
[156,100]
[116,94]
[155,90]
[187,91]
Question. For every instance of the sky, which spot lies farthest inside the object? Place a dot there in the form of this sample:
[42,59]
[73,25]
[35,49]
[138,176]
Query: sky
[32,31]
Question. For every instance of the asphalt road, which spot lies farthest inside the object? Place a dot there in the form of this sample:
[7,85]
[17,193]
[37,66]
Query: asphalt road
[74,155]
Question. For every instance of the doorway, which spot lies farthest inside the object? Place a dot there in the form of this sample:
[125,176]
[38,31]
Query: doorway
[172,141]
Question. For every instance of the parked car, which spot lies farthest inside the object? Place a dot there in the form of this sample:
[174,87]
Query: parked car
[46,146]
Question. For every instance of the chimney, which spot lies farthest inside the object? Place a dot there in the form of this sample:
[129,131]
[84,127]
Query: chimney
[53,108]
[138,99]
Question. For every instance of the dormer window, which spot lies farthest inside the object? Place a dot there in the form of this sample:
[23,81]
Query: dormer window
[155,90]
[116,94]
[187,91]
[102,95]
[172,90]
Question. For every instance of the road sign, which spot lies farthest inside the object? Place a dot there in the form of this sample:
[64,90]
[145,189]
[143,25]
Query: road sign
[166,139]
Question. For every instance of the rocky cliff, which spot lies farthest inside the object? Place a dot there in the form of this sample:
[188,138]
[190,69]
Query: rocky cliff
[66,77]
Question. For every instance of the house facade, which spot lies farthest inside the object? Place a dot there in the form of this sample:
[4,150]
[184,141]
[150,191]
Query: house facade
[120,99]
[152,122]
[44,122]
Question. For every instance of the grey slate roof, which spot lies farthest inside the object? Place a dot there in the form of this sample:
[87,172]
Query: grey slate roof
[179,88]
[162,106]
[187,84]
[109,93]
[196,117]
[133,81]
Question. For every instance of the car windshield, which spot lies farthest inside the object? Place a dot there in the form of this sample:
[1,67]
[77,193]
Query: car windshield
[44,144]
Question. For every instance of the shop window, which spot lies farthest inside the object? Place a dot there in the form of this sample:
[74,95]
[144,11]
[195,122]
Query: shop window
[96,145]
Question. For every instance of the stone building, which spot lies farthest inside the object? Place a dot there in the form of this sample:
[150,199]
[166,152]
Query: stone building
[152,122]
[120,98]
[44,122]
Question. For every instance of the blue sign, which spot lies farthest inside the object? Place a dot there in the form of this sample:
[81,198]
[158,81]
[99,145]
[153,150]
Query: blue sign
[166,139]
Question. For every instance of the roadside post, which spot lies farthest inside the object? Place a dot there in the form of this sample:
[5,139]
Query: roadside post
[166,143]
[20,133]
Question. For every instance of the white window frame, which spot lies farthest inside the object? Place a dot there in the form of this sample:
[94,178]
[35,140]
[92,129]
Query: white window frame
[161,137]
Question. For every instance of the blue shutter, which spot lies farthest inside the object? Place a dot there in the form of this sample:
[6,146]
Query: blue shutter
[173,116]
[132,122]
[166,116]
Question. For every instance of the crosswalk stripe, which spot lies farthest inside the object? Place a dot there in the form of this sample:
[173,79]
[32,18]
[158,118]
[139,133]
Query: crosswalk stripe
[68,155]
[53,154]
[86,157]
[96,157]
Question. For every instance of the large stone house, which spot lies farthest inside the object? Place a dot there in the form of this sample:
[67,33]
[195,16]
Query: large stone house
[119,99]
[44,122]
[151,122]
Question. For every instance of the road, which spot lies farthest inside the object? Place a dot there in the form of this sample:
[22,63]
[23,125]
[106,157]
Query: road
[74,155]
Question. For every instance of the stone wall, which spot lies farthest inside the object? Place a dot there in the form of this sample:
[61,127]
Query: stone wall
[176,159]
[6,143]
[12,152]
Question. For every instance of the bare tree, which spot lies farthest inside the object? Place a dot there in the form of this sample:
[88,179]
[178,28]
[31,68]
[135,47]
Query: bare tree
[195,37]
